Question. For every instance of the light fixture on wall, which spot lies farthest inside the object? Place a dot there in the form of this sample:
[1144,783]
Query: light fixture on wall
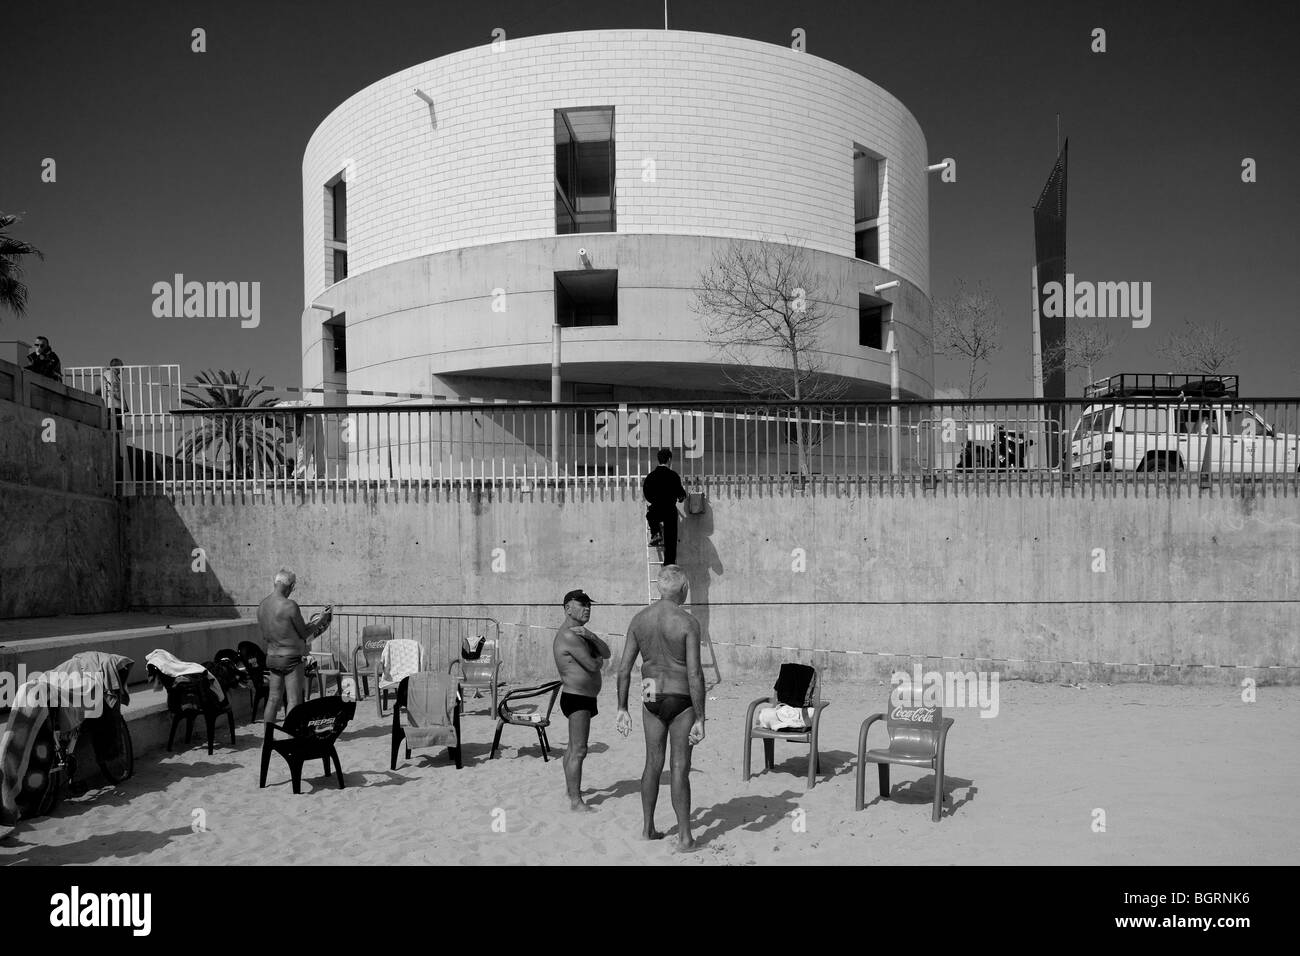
[433,116]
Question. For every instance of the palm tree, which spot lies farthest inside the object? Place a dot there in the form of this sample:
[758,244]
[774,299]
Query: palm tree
[13,293]
[241,445]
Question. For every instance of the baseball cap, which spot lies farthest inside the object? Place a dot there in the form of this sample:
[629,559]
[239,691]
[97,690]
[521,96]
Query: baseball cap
[578,595]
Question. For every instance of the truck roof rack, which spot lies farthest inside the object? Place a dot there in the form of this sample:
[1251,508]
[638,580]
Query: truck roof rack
[1163,384]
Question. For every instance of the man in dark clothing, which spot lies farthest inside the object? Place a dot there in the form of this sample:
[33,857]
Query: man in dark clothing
[43,360]
[663,489]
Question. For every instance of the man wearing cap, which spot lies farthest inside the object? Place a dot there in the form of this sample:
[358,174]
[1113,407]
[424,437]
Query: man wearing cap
[579,656]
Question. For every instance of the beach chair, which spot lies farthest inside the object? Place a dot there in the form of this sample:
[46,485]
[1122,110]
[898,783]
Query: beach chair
[322,665]
[917,738]
[511,711]
[254,659]
[431,703]
[400,658]
[479,669]
[313,728]
[798,687]
[368,656]
[190,696]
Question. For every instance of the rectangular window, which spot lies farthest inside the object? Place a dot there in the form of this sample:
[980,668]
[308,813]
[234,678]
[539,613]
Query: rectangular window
[584,170]
[339,192]
[340,348]
[867,185]
[1148,420]
[873,313]
[336,228]
[586,298]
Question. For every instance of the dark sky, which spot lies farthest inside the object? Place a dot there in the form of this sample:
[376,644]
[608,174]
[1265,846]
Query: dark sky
[170,161]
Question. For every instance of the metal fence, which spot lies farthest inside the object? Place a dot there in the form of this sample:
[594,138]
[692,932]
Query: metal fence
[440,637]
[965,447]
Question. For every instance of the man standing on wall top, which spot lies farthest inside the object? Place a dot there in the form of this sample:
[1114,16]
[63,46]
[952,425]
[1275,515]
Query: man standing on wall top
[663,489]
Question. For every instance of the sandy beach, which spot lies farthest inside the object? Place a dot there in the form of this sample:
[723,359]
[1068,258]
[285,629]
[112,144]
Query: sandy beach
[1184,775]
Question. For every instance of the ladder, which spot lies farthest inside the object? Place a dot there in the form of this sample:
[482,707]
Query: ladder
[654,559]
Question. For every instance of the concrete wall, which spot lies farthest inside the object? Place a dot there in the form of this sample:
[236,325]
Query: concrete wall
[1191,580]
[58,520]
[442,314]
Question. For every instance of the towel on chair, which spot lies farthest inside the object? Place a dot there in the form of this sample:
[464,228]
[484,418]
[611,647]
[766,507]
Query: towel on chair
[172,666]
[401,659]
[784,717]
[430,704]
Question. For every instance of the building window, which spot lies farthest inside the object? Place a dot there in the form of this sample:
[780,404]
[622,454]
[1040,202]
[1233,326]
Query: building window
[336,227]
[340,348]
[873,313]
[339,196]
[584,170]
[587,297]
[867,175]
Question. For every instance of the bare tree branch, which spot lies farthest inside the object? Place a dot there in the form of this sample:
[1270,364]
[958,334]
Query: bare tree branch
[968,326]
[1207,347]
[1085,344]
[765,308]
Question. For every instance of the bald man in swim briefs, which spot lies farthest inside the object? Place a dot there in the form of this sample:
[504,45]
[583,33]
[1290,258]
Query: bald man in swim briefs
[672,693]
[288,638]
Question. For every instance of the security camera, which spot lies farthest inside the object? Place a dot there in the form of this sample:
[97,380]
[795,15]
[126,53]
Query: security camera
[582,254]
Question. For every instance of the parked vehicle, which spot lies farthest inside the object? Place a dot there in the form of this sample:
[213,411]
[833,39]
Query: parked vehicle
[1006,452]
[1192,423]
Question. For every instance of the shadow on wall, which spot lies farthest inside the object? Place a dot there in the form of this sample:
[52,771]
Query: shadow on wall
[167,569]
[701,563]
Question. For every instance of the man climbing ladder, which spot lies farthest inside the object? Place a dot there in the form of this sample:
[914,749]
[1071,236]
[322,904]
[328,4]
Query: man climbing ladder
[663,489]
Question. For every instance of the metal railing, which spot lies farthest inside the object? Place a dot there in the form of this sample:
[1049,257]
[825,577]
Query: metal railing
[440,637]
[968,447]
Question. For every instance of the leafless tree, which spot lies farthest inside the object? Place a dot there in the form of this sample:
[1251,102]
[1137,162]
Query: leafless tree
[968,327]
[1085,344]
[765,307]
[1206,347]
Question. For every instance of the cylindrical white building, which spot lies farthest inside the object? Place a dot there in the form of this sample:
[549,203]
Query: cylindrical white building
[445,206]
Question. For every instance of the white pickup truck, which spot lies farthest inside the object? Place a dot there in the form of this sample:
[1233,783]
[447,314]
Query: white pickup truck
[1176,422]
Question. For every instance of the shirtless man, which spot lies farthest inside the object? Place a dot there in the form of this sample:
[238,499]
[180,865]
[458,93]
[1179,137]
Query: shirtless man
[579,656]
[672,692]
[287,638]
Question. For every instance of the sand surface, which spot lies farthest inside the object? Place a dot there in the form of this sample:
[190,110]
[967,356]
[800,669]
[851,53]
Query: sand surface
[1185,775]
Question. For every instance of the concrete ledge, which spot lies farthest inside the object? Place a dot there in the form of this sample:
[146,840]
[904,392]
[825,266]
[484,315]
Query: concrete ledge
[197,641]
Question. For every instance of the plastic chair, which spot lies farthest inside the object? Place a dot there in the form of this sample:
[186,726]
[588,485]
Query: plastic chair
[313,728]
[399,658]
[527,715]
[479,668]
[254,659]
[189,696]
[413,684]
[370,651]
[810,702]
[917,738]
[323,664]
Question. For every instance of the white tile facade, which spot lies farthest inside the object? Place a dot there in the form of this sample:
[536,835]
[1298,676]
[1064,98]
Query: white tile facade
[748,139]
